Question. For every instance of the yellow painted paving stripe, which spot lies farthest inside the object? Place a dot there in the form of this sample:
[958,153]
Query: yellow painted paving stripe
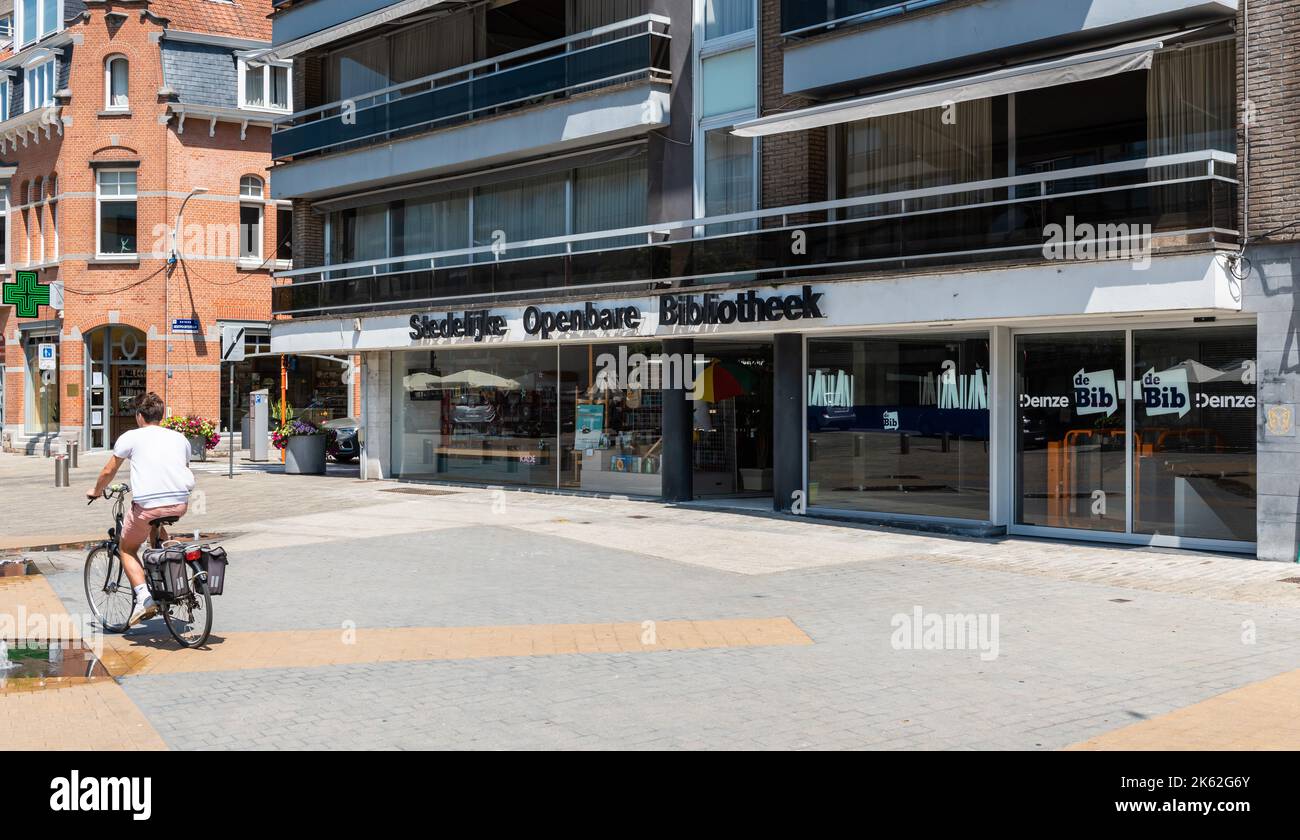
[1259,716]
[62,713]
[139,654]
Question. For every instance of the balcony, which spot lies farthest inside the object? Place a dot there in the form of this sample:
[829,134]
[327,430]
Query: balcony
[634,50]
[800,18]
[1187,199]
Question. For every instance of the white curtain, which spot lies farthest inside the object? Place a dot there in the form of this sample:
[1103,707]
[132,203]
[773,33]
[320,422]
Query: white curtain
[919,149]
[609,196]
[439,224]
[358,70]
[433,46]
[728,174]
[724,17]
[517,211]
[1191,100]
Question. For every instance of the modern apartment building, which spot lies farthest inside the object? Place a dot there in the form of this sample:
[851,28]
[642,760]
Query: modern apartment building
[134,149]
[983,265]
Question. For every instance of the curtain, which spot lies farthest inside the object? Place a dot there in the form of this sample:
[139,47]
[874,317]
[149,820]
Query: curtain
[589,14]
[433,46]
[1191,100]
[728,178]
[725,17]
[609,196]
[918,150]
[358,70]
[517,211]
[423,226]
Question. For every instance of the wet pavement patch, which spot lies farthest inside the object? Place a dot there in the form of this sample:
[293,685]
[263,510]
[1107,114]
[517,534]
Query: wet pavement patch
[38,666]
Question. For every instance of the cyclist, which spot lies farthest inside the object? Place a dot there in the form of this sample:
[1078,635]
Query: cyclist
[161,482]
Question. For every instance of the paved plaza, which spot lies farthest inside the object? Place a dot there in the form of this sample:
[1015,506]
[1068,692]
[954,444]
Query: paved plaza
[403,616]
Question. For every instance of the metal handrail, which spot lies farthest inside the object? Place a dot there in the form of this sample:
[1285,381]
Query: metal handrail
[427,81]
[1208,157]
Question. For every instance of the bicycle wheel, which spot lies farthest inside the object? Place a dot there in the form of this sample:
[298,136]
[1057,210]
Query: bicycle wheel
[108,591]
[189,620]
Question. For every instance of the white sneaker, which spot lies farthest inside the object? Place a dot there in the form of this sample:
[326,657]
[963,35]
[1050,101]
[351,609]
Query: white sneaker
[143,610]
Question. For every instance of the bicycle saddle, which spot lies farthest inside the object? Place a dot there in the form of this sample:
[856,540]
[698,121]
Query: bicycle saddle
[165,520]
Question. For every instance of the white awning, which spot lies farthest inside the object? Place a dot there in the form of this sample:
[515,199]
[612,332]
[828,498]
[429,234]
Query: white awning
[344,30]
[1062,71]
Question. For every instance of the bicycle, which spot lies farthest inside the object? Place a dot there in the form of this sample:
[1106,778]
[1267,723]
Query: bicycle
[188,618]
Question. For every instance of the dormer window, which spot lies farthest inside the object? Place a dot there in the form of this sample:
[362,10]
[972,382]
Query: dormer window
[264,85]
[38,84]
[34,19]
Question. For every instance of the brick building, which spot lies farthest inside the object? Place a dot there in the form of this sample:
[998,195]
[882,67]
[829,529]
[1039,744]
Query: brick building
[118,115]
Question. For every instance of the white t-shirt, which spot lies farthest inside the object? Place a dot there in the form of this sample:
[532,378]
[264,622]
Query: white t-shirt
[160,465]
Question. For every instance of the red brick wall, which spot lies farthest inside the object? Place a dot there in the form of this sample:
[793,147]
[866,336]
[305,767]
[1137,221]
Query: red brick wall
[144,294]
[793,167]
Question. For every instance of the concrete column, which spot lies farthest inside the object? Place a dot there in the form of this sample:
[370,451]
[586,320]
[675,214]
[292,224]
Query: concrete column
[1003,425]
[679,426]
[787,420]
[376,415]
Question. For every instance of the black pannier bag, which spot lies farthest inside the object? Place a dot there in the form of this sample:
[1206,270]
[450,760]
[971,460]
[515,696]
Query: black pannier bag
[214,562]
[166,572]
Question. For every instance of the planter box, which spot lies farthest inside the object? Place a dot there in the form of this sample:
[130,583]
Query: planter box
[305,455]
[198,447]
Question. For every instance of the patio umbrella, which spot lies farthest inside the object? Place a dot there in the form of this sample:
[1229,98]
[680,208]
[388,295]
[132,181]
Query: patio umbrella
[722,381]
[476,379]
[422,381]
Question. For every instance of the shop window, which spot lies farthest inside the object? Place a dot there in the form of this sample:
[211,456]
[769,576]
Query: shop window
[900,425]
[484,416]
[1194,431]
[116,211]
[1190,406]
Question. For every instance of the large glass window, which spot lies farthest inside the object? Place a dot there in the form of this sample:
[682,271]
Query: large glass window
[900,424]
[1192,405]
[520,210]
[728,177]
[476,415]
[42,387]
[1194,426]
[611,418]
[1072,430]
[117,211]
[39,84]
[727,17]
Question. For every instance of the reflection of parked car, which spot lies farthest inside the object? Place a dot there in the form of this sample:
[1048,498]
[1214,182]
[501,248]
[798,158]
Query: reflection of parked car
[830,417]
[472,410]
[345,428]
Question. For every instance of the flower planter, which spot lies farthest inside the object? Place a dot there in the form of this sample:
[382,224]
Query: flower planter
[198,447]
[305,455]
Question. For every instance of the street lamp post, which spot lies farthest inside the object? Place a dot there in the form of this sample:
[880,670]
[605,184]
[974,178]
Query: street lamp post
[167,326]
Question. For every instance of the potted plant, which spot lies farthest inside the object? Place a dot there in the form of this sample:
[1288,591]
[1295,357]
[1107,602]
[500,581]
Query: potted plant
[201,433]
[305,445]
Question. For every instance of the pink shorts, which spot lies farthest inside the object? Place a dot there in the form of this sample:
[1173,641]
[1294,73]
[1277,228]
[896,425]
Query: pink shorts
[135,525]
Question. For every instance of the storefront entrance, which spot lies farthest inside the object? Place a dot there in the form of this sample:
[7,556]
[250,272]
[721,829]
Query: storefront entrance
[41,384]
[1141,433]
[116,377]
[732,411]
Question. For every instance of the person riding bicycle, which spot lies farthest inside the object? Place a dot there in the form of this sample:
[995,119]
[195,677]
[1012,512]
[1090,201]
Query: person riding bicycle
[161,482]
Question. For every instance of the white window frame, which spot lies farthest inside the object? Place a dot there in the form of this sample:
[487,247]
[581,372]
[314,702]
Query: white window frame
[266,86]
[29,89]
[745,39]
[99,215]
[5,90]
[279,234]
[109,104]
[257,201]
[18,21]
[4,210]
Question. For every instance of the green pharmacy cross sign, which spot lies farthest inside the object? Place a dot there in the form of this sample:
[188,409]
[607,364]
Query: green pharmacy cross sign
[26,293]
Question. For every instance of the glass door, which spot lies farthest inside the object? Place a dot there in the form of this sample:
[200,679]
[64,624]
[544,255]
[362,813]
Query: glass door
[97,388]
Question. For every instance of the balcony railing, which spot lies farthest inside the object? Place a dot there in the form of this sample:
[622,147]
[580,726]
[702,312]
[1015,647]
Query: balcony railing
[1186,198]
[799,17]
[632,50]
